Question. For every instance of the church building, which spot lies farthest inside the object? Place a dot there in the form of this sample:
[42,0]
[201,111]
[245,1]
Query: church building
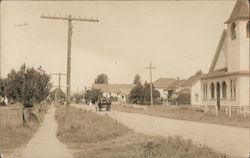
[227,82]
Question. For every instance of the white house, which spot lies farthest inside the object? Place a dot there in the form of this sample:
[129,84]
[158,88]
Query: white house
[118,91]
[162,85]
[193,86]
[227,82]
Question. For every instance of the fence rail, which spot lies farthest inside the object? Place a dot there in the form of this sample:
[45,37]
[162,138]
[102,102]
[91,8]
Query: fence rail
[11,115]
[227,109]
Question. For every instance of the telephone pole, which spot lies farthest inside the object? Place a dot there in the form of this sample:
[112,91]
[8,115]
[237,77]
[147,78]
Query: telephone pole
[70,32]
[151,85]
[59,78]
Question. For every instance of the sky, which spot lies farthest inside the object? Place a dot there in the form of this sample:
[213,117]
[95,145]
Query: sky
[178,37]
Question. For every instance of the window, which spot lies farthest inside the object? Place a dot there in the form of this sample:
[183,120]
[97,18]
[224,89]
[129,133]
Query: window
[248,29]
[224,90]
[212,90]
[233,31]
[233,89]
[205,90]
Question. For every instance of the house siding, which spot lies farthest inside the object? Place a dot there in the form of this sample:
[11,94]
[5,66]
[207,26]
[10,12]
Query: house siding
[196,90]
[244,91]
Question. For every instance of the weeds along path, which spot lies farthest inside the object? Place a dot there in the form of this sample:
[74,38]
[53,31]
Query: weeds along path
[225,139]
[44,144]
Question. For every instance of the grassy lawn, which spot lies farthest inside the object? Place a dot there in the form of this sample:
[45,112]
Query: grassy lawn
[12,138]
[187,113]
[97,136]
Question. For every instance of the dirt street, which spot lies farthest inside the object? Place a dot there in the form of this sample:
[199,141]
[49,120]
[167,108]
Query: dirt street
[225,139]
[44,144]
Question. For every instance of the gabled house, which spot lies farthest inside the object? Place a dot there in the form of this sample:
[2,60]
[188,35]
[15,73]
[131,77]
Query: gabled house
[162,84]
[118,91]
[227,82]
[192,86]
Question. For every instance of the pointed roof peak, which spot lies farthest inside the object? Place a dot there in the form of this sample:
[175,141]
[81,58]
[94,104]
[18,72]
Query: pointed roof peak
[240,11]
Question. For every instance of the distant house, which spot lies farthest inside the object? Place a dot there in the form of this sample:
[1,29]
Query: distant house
[162,85]
[118,91]
[227,82]
[175,86]
[193,86]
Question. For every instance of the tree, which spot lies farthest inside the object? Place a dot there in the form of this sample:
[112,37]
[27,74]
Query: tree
[137,94]
[92,95]
[58,94]
[199,73]
[101,79]
[2,87]
[147,93]
[137,79]
[28,85]
[77,97]
[140,94]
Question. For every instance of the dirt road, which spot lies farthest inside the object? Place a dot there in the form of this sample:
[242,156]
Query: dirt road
[224,139]
[44,144]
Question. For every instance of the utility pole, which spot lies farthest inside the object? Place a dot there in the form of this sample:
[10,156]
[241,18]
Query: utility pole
[151,85]
[59,78]
[59,83]
[107,88]
[70,32]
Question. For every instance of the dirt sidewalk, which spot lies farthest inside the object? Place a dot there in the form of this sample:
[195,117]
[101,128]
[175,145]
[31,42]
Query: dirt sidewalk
[44,144]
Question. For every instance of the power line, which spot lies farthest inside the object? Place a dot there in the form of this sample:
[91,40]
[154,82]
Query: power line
[70,32]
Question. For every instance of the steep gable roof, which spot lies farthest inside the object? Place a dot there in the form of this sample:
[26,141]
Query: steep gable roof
[218,51]
[240,11]
[191,80]
[175,85]
[164,82]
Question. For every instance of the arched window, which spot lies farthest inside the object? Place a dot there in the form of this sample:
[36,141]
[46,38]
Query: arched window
[233,31]
[224,90]
[212,90]
[248,29]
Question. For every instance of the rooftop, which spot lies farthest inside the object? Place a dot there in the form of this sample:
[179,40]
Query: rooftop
[164,82]
[240,11]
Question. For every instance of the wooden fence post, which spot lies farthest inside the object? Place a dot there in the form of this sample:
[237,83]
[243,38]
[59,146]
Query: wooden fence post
[216,110]
[205,108]
[229,110]
[244,111]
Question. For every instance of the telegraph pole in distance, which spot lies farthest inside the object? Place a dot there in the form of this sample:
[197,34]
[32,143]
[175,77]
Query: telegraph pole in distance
[59,78]
[59,83]
[151,85]
[70,32]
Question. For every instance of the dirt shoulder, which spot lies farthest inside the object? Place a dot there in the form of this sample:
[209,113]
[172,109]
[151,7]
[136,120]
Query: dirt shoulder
[187,113]
[13,139]
[45,144]
[99,136]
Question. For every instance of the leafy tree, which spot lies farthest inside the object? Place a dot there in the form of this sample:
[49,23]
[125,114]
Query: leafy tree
[147,95]
[77,97]
[141,94]
[92,95]
[137,79]
[137,94]
[28,85]
[101,79]
[2,87]
[58,94]
[199,73]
